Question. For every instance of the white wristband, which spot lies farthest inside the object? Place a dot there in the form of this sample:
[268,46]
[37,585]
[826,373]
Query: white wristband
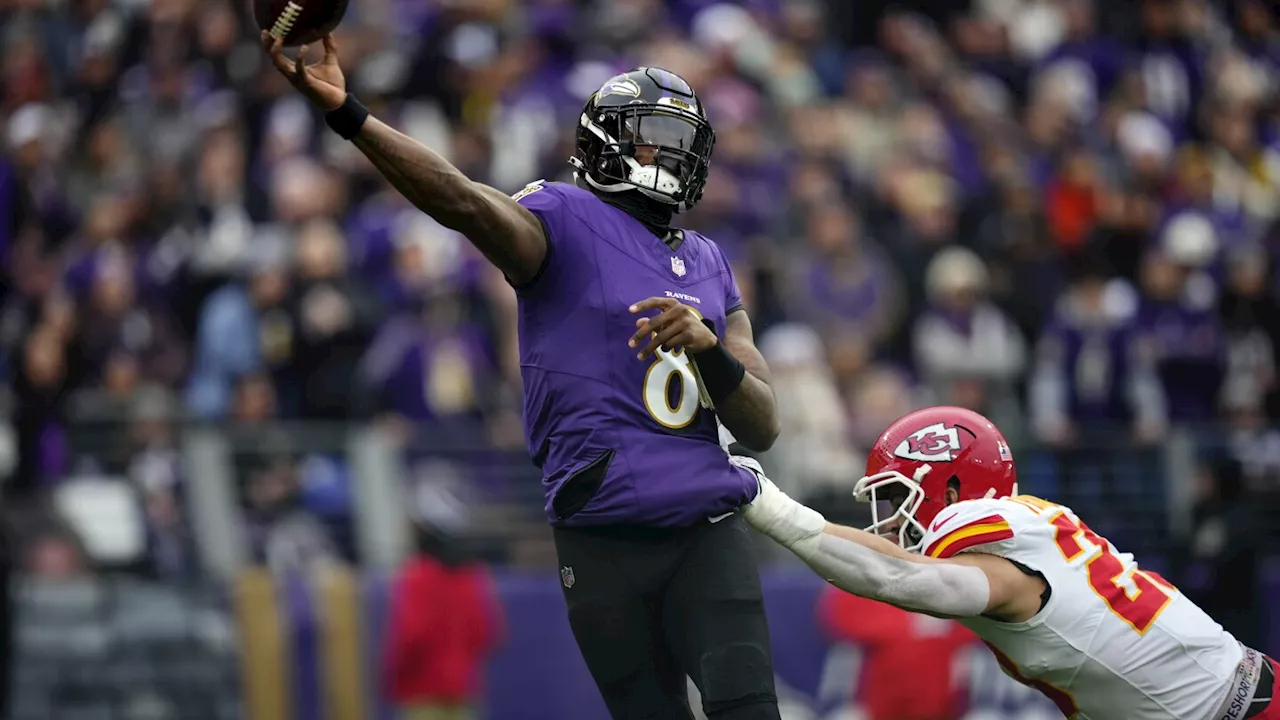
[774,513]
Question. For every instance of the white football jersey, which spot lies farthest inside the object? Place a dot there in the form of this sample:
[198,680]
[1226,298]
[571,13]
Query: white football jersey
[1113,641]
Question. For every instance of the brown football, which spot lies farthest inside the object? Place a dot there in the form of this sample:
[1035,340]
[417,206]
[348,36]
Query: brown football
[299,22]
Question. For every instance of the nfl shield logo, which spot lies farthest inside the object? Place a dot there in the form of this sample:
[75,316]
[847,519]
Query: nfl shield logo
[1004,451]
[677,266]
[566,576]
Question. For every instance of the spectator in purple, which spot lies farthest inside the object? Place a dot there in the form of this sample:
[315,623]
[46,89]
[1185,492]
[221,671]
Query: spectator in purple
[1179,320]
[1169,65]
[845,279]
[40,391]
[1094,389]
[434,367]
[1086,63]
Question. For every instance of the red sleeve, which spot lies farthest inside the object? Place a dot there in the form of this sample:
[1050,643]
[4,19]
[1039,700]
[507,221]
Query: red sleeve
[849,618]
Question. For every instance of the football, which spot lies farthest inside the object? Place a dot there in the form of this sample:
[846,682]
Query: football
[299,22]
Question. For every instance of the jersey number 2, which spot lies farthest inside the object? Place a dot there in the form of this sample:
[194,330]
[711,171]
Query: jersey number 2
[1138,602]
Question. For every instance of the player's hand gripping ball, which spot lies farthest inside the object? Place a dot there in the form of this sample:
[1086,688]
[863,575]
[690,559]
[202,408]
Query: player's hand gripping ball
[322,83]
[298,22]
[676,325]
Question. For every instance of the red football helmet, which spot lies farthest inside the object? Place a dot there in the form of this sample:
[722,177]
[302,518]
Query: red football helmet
[913,462]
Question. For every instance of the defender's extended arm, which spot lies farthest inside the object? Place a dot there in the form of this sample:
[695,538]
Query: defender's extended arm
[867,565]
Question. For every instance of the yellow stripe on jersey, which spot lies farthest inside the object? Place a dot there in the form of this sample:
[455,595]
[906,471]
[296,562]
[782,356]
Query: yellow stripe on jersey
[989,529]
[1034,503]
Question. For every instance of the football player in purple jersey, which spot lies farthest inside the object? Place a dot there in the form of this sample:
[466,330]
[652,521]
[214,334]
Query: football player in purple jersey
[635,352]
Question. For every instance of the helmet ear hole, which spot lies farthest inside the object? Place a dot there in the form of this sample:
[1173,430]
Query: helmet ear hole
[953,490]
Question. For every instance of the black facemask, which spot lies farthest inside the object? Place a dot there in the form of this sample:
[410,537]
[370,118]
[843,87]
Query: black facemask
[652,214]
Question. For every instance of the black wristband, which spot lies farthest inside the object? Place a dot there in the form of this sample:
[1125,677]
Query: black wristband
[347,118]
[721,372]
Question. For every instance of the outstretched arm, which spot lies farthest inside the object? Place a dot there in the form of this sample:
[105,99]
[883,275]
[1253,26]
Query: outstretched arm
[501,228]
[508,234]
[871,566]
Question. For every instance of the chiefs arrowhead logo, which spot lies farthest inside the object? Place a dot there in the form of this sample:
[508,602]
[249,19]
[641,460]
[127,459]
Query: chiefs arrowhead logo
[933,443]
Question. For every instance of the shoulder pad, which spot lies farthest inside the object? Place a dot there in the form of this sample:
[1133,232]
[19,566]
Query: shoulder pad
[969,525]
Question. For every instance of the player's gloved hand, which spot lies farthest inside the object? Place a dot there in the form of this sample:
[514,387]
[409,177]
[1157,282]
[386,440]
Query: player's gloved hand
[676,325]
[322,83]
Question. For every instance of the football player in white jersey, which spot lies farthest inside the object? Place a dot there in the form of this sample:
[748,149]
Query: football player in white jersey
[1062,609]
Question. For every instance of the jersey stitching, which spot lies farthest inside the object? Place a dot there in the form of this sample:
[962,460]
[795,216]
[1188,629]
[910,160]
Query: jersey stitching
[580,376]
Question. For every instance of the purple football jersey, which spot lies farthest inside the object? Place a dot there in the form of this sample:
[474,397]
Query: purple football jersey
[587,397]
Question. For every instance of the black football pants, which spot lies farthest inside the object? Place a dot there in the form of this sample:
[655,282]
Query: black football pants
[650,606]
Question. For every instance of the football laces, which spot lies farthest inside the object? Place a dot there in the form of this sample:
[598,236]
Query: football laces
[288,18]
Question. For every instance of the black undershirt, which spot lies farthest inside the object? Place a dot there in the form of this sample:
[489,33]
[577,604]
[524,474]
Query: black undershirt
[1044,594]
[655,216]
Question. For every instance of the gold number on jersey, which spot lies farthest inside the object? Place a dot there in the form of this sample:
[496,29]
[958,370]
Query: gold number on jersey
[1036,505]
[1138,607]
[666,367]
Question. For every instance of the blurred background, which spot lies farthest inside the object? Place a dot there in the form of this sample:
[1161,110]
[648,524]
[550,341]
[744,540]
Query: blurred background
[262,453]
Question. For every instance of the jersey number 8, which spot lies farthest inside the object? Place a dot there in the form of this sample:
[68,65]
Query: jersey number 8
[666,367]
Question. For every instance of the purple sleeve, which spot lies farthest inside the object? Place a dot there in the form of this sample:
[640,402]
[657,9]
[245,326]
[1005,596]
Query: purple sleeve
[546,202]
[543,200]
[732,295]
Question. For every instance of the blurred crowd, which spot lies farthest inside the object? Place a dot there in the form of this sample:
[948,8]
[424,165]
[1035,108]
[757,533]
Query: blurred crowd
[1059,212]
